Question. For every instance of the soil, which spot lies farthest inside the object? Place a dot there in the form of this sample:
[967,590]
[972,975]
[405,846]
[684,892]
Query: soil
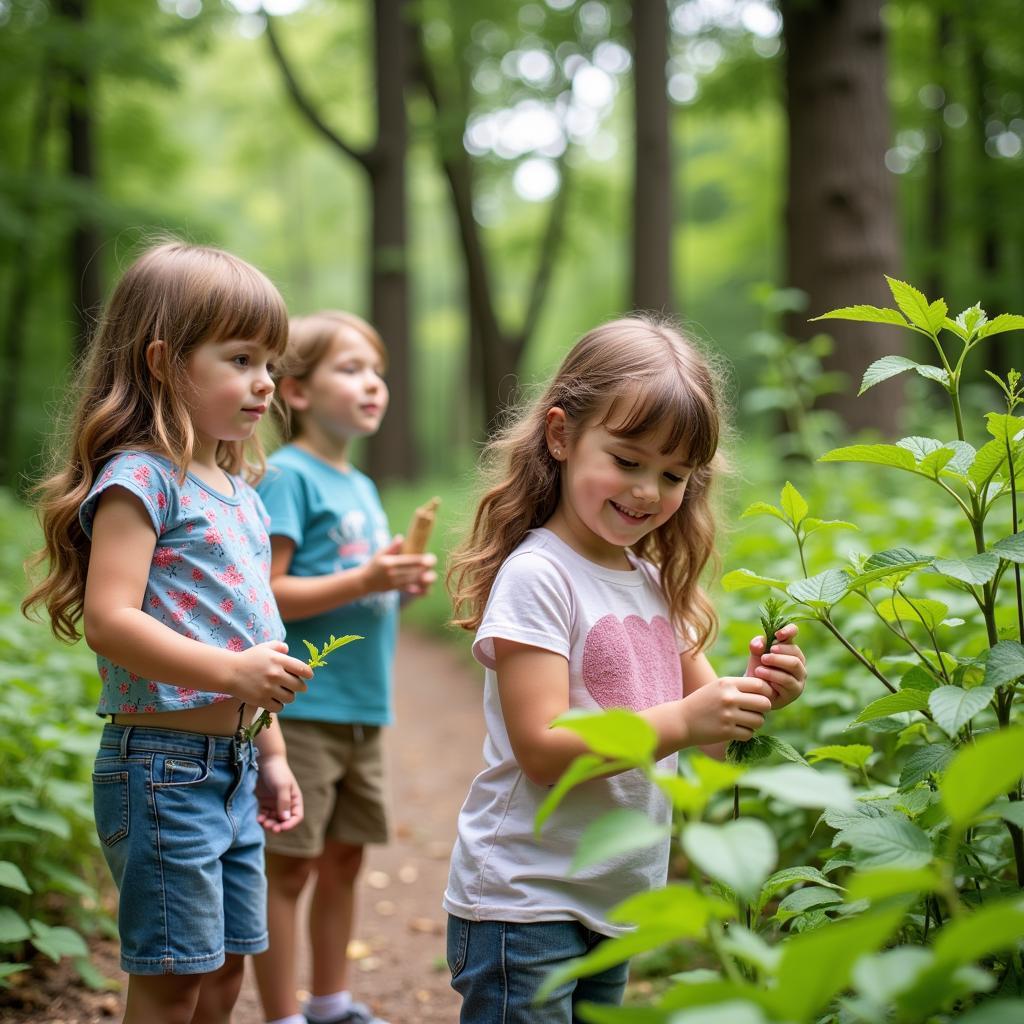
[433,751]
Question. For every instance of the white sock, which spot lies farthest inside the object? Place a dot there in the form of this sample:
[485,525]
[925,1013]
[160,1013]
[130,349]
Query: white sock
[328,1007]
[293,1018]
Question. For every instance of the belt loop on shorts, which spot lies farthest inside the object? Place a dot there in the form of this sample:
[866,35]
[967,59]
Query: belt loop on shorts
[124,739]
[357,732]
[211,750]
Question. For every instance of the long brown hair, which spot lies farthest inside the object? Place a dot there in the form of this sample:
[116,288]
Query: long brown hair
[186,295]
[650,377]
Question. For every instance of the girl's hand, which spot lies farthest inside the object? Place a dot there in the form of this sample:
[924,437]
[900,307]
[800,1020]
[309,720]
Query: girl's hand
[389,569]
[783,667]
[729,708]
[265,676]
[280,799]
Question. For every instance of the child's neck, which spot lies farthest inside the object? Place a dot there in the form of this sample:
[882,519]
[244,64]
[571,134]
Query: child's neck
[585,543]
[333,451]
[204,466]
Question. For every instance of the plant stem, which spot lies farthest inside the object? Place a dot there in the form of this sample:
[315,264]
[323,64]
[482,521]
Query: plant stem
[831,627]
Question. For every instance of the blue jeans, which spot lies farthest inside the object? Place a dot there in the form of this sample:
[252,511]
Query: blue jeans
[497,967]
[176,817]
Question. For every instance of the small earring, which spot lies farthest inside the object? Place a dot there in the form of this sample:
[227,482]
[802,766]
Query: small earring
[557,452]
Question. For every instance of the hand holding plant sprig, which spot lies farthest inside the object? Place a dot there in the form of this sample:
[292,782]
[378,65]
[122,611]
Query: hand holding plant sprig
[317,658]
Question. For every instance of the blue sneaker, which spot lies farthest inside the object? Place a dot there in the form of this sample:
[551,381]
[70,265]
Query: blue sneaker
[357,1013]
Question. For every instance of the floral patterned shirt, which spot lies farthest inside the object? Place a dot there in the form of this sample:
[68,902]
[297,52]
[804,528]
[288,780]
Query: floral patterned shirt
[209,579]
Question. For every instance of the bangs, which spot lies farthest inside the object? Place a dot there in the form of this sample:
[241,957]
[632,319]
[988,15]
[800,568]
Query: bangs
[668,407]
[243,303]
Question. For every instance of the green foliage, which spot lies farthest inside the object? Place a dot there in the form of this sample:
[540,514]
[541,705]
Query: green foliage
[882,879]
[50,867]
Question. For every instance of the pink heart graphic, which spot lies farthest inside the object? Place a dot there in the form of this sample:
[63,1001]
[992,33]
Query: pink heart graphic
[633,663]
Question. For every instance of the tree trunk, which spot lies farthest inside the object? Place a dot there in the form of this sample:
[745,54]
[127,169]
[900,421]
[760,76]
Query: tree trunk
[392,452]
[652,180]
[842,233]
[936,198]
[84,244]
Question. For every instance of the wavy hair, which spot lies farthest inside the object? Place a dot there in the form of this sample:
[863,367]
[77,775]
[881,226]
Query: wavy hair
[186,295]
[636,376]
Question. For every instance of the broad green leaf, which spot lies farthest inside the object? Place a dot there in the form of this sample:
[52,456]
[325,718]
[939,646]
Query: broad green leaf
[975,570]
[759,748]
[615,833]
[887,842]
[989,460]
[875,454]
[963,457]
[1010,548]
[916,678]
[714,775]
[675,905]
[981,772]
[801,786]
[892,704]
[812,525]
[953,707]
[840,819]
[57,942]
[916,308]
[808,898]
[993,927]
[922,610]
[956,328]
[920,447]
[933,465]
[740,579]
[783,879]
[864,314]
[13,928]
[1011,811]
[994,1011]
[731,1011]
[689,995]
[582,769]
[8,970]
[749,947]
[11,877]
[685,796]
[43,819]
[883,369]
[1006,429]
[854,755]
[1000,324]
[823,590]
[793,504]
[741,854]
[762,508]
[616,733]
[816,965]
[972,318]
[925,762]
[1004,663]
[892,564]
[881,883]
[883,976]
[935,373]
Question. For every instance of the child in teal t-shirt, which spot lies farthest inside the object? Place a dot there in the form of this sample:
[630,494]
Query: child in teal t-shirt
[335,569]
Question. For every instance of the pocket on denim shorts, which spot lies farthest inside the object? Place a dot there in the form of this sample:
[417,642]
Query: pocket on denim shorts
[178,770]
[110,806]
[458,944]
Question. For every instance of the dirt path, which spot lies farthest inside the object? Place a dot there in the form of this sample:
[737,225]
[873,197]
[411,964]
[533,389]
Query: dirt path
[433,753]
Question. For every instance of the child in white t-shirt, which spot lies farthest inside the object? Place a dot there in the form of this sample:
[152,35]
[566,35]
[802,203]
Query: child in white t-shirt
[580,577]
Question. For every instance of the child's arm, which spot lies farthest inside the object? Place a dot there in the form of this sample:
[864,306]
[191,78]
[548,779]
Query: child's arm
[123,542]
[300,597]
[280,799]
[533,686]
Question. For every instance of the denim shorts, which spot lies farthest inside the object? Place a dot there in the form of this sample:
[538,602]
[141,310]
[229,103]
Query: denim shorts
[176,817]
[497,967]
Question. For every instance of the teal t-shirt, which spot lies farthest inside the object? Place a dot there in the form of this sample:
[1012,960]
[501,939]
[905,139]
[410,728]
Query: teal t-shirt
[336,520]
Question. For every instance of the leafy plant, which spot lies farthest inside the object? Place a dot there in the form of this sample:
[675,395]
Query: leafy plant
[317,658]
[914,913]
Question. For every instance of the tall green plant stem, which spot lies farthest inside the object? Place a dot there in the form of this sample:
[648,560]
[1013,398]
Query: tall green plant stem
[827,622]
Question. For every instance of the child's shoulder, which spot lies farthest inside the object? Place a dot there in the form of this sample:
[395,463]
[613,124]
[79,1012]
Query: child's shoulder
[150,477]
[536,557]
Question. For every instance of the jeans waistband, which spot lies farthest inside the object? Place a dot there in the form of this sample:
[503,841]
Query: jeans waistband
[130,739]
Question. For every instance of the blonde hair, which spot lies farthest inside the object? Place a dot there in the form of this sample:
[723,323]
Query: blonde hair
[309,340]
[652,378]
[184,295]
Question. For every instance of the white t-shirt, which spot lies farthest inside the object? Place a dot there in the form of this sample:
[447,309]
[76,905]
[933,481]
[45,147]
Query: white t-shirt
[614,629]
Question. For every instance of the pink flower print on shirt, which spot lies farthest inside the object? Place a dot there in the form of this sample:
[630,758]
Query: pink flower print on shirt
[227,605]
[133,677]
[185,501]
[197,575]
[141,474]
[161,500]
[104,672]
[154,601]
[123,688]
[164,558]
[186,695]
[252,595]
[151,686]
[632,663]
[236,643]
[214,621]
[184,599]
[232,577]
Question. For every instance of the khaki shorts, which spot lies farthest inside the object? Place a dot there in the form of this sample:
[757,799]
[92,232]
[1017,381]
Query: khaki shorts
[340,770]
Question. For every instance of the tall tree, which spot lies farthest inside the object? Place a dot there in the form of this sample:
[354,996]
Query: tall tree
[842,233]
[84,264]
[652,177]
[392,452]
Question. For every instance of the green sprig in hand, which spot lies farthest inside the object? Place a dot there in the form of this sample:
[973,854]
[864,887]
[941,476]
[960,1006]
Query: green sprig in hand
[317,658]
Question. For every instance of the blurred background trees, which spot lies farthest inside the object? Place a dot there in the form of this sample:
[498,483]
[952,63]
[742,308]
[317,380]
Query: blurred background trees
[485,181]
